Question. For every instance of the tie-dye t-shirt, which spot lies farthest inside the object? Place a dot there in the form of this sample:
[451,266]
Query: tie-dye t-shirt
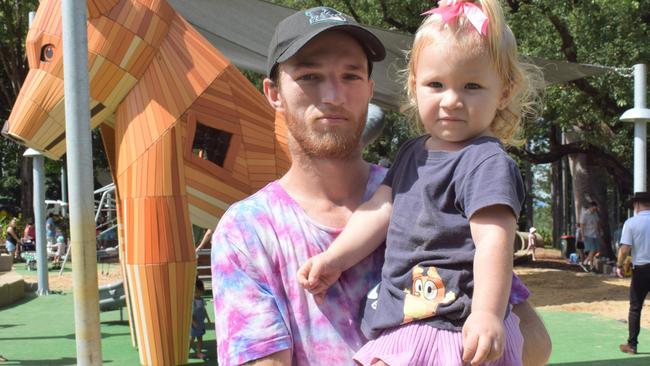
[260,309]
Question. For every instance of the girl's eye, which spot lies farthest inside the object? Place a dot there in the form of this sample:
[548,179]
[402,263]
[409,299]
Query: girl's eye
[472,86]
[435,84]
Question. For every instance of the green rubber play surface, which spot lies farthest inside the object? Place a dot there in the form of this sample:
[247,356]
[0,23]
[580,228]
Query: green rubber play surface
[40,331]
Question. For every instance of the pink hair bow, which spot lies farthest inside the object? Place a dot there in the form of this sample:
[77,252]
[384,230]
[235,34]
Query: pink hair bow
[474,14]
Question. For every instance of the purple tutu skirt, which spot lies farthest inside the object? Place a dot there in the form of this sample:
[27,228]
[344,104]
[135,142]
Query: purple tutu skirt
[418,344]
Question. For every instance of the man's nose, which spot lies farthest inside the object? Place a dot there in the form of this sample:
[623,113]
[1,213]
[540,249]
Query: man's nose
[451,99]
[332,91]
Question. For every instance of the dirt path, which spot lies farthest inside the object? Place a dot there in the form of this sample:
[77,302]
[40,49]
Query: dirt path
[558,286]
[106,274]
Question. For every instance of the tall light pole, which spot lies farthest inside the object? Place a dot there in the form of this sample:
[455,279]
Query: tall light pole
[639,115]
[79,159]
[38,170]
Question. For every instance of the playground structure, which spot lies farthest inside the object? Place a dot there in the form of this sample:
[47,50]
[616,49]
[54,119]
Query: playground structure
[185,134]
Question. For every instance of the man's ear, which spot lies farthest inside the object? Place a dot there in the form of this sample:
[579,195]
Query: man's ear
[272,93]
[371,85]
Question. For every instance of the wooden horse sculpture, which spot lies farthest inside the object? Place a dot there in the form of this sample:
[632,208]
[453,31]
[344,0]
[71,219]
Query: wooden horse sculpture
[185,133]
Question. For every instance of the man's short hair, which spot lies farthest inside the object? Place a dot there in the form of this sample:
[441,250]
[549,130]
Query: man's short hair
[296,30]
[641,197]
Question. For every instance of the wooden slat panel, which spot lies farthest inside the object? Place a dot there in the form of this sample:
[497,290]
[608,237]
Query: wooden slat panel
[201,218]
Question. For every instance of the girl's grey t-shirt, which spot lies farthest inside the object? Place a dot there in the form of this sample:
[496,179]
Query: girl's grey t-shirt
[427,274]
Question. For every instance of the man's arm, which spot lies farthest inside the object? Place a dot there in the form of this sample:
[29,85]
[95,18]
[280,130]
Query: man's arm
[537,342]
[248,321]
[206,240]
[623,252]
[282,358]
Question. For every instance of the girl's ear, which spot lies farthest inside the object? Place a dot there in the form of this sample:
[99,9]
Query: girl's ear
[506,96]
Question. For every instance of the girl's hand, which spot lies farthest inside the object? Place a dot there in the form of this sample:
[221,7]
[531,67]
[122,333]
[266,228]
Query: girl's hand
[483,337]
[317,275]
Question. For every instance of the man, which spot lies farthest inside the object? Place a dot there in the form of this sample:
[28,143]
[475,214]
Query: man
[590,231]
[635,238]
[319,67]
[50,228]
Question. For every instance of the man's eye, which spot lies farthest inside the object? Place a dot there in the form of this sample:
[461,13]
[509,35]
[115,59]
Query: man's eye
[308,77]
[472,86]
[353,77]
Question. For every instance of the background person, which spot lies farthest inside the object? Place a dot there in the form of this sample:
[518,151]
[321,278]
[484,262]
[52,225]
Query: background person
[590,231]
[199,316]
[29,235]
[635,238]
[532,242]
[580,247]
[12,241]
[50,229]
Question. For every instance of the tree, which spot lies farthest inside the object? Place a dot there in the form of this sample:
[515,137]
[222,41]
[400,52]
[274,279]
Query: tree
[16,185]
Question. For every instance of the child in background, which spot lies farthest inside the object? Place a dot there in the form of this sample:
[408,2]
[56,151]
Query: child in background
[60,251]
[532,242]
[199,315]
[449,204]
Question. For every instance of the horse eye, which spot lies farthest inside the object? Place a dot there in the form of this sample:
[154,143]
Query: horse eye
[47,53]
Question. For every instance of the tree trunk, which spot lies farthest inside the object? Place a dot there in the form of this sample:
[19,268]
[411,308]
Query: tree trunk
[528,202]
[556,201]
[590,184]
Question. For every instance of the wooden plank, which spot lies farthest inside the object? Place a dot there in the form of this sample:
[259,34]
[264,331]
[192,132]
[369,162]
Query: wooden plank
[203,205]
[144,330]
[226,189]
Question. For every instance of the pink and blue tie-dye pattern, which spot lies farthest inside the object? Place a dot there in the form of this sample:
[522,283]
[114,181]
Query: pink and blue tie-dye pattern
[260,309]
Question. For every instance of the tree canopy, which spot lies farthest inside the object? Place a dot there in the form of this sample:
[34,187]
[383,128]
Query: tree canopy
[611,33]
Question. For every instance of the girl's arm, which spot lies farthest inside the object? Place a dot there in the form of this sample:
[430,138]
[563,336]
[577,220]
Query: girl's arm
[493,230]
[364,232]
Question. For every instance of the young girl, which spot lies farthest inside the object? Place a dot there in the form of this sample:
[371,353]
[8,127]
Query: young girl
[199,315]
[448,206]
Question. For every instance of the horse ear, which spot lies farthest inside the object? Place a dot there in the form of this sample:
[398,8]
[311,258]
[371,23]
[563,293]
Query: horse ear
[99,7]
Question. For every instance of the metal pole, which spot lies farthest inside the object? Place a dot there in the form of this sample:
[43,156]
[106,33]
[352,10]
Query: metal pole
[79,159]
[38,170]
[640,130]
[64,191]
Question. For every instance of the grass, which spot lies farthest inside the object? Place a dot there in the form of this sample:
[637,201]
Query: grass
[40,331]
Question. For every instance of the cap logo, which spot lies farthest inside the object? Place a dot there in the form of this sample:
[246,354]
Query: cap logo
[322,15]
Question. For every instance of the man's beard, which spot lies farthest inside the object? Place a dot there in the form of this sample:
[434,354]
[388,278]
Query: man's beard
[339,142]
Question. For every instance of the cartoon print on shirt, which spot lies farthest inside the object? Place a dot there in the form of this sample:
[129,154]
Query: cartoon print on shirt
[427,292]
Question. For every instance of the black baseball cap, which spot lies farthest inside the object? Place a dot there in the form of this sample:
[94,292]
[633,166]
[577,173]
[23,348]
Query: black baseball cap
[640,197]
[295,31]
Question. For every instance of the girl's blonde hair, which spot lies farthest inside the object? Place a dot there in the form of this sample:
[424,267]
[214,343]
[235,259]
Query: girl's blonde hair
[523,81]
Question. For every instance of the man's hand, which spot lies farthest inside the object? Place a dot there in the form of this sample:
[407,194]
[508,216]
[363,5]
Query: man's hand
[317,275]
[483,337]
[619,272]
